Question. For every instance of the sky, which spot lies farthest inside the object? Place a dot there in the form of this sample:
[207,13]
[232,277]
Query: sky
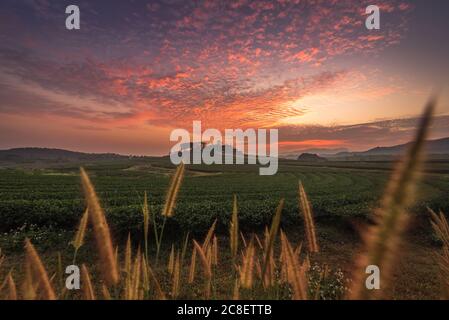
[136,70]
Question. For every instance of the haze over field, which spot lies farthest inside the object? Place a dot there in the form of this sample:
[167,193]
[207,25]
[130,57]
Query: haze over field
[138,69]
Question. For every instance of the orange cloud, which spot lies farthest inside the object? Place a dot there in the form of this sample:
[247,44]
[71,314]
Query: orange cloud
[306,55]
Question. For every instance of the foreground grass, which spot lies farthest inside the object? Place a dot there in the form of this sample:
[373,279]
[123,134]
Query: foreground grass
[415,277]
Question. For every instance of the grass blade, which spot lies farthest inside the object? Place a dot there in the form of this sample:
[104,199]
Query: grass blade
[88,289]
[192,268]
[247,270]
[295,273]
[173,191]
[38,271]
[382,239]
[309,224]
[12,295]
[80,234]
[272,237]
[102,233]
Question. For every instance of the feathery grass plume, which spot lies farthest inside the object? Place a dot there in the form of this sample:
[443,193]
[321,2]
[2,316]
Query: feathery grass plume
[28,287]
[441,228]
[206,268]
[170,202]
[102,234]
[127,264]
[209,255]
[106,293]
[145,277]
[272,237]
[12,295]
[173,191]
[146,222]
[382,239]
[38,271]
[269,278]
[234,230]
[298,250]
[171,260]
[247,270]
[203,258]
[80,233]
[135,277]
[192,268]
[215,251]
[88,289]
[176,282]
[159,292]
[296,274]
[130,278]
[209,235]
[306,210]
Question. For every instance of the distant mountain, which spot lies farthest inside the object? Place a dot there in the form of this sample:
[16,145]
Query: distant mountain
[432,147]
[311,157]
[45,154]
[322,152]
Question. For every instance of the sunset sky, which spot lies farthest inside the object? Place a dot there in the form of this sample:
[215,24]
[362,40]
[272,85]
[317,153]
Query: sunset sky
[138,69]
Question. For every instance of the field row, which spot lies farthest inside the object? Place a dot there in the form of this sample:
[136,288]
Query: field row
[55,198]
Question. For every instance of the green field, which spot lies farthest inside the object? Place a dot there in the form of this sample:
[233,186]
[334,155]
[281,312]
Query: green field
[45,204]
[53,197]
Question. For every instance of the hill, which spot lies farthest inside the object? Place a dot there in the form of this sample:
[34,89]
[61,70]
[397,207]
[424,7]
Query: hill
[310,157]
[432,147]
[322,152]
[29,155]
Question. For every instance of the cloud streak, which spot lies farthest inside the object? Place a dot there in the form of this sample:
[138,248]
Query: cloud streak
[359,136]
